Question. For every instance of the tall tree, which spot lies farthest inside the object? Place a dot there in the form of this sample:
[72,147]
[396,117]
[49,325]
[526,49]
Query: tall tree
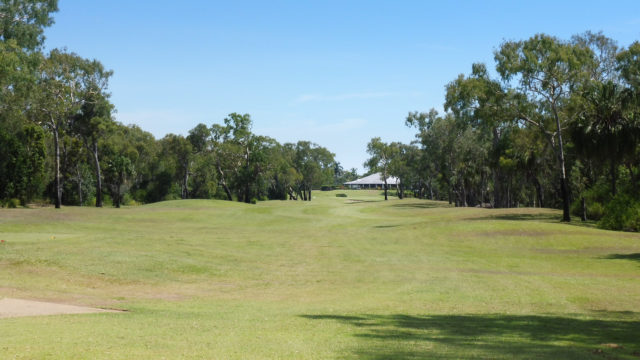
[547,70]
[63,81]
[94,121]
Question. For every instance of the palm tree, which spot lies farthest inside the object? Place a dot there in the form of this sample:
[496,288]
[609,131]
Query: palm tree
[605,129]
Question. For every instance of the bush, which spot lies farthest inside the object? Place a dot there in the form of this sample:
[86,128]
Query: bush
[13,203]
[327,187]
[254,201]
[621,213]
[341,195]
[595,210]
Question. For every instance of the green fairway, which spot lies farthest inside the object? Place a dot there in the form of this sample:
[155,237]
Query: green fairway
[353,277]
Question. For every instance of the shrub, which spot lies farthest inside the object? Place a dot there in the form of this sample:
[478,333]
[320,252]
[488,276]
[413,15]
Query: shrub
[327,187]
[595,211]
[13,203]
[254,200]
[341,195]
[621,213]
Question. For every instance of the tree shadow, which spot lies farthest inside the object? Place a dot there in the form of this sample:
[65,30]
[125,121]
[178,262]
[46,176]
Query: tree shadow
[429,205]
[358,201]
[492,336]
[633,257]
[521,217]
[385,226]
[540,217]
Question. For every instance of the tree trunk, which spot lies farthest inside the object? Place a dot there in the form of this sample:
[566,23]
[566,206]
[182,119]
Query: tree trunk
[385,189]
[614,176]
[498,187]
[309,193]
[223,182]
[634,178]
[584,210]
[185,182]
[539,191]
[566,216]
[430,190]
[79,182]
[565,200]
[463,199]
[94,150]
[56,141]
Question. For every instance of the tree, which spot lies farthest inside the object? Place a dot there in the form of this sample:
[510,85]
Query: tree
[180,149]
[547,70]
[23,21]
[64,81]
[94,121]
[629,65]
[22,157]
[381,155]
[606,129]
[315,165]
[120,159]
[401,164]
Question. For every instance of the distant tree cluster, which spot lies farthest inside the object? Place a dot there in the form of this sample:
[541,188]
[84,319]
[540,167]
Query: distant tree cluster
[58,139]
[558,127]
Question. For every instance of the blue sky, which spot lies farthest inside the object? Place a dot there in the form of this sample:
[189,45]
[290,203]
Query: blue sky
[334,72]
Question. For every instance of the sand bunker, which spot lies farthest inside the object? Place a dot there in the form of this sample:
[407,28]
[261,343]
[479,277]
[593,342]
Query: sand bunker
[16,307]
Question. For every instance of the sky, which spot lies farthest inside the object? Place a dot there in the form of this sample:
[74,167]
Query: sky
[336,73]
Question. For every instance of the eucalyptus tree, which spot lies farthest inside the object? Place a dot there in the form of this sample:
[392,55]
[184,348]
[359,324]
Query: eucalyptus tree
[180,151]
[628,63]
[401,163]
[23,21]
[94,120]
[547,70]
[203,180]
[57,100]
[381,155]
[315,164]
[120,156]
[484,104]
[22,148]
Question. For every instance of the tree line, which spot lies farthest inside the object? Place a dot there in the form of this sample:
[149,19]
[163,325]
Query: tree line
[59,141]
[555,124]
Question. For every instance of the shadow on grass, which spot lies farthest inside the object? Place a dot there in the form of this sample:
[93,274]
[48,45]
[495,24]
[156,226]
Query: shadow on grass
[521,217]
[429,205]
[491,336]
[634,257]
[540,217]
[356,201]
[385,226]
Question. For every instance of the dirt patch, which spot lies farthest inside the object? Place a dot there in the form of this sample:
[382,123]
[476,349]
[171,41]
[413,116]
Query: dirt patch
[17,308]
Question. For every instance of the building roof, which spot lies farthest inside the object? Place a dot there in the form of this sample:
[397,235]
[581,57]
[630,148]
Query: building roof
[373,179]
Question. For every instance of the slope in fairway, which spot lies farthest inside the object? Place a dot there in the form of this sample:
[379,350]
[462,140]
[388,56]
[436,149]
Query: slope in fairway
[353,277]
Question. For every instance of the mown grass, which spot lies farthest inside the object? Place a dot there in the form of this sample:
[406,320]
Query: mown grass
[351,277]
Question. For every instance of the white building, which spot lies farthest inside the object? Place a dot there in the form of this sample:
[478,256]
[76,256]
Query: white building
[373,181]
